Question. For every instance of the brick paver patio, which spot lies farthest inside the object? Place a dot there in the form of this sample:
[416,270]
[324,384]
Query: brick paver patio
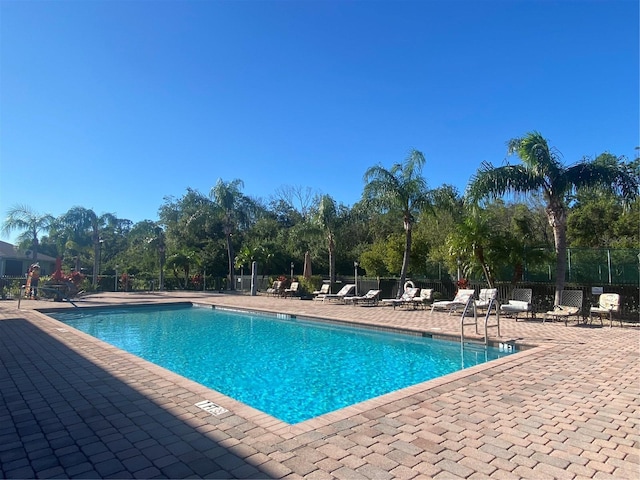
[72,406]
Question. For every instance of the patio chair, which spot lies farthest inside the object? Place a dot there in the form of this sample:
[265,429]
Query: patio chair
[324,290]
[275,289]
[520,302]
[461,299]
[346,291]
[607,304]
[425,298]
[369,298]
[406,298]
[292,290]
[570,305]
[486,298]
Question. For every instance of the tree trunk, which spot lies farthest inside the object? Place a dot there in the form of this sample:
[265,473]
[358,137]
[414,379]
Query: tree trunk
[479,252]
[558,221]
[96,257]
[405,258]
[332,259]
[34,248]
[95,239]
[231,256]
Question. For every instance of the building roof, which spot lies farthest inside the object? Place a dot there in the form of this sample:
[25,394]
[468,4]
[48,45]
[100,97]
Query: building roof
[7,250]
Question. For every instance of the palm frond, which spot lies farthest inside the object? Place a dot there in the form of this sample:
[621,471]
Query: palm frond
[494,182]
[534,152]
[611,177]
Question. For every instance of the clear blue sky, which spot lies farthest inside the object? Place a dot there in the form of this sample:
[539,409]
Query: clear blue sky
[113,105]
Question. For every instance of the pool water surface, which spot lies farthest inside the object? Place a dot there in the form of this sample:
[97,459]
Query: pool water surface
[292,369]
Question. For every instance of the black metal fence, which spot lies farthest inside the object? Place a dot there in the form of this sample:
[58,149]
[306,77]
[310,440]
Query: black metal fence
[543,292]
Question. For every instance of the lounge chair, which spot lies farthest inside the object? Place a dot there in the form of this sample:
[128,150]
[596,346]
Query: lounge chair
[292,290]
[607,304]
[570,305]
[519,303]
[425,298]
[369,298]
[488,297]
[461,299]
[346,291]
[275,289]
[406,299]
[320,294]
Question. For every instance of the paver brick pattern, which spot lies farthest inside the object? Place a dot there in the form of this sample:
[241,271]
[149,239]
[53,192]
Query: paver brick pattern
[72,406]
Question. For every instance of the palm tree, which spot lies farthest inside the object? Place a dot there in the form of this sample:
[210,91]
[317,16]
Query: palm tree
[542,172]
[403,189]
[468,242]
[85,222]
[326,218]
[157,241]
[228,199]
[22,217]
[181,263]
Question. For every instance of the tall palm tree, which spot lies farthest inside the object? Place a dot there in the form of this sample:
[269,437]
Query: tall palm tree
[403,189]
[22,217]
[85,222]
[326,218]
[542,172]
[157,241]
[228,199]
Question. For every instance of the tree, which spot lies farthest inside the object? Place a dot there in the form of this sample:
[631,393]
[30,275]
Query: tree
[233,210]
[492,239]
[617,226]
[22,217]
[468,246]
[85,222]
[181,263]
[326,218]
[541,171]
[400,189]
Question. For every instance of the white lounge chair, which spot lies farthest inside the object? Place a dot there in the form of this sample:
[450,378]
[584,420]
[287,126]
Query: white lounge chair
[460,300]
[406,298]
[345,291]
[369,298]
[275,289]
[519,303]
[425,298]
[292,290]
[320,294]
[607,304]
[486,298]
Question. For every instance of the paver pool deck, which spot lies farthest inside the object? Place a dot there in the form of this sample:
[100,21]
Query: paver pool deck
[72,406]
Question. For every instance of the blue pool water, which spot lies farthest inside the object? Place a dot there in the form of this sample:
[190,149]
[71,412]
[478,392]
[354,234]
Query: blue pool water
[289,368]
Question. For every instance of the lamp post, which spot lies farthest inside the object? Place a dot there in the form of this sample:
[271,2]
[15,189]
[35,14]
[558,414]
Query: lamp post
[115,288]
[355,268]
[100,259]
[292,271]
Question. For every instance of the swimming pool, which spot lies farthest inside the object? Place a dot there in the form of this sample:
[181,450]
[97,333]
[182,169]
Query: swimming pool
[293,369]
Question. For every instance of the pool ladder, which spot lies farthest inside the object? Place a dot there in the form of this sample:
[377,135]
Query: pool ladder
[471,303]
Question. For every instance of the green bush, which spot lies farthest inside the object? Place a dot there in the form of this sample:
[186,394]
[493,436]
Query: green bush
[311,284]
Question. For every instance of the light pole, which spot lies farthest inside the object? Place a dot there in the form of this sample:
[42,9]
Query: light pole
[116,280]
[291,271]
[355,268]
[100,259]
